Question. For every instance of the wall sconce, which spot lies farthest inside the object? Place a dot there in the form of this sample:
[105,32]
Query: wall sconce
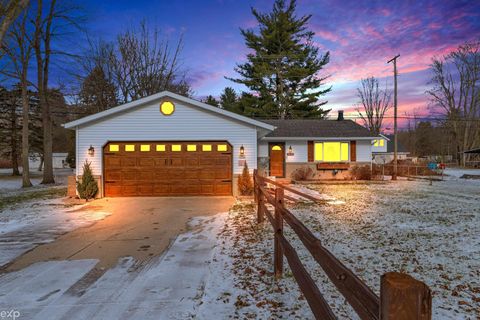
[91,150]
[242,151]
[290,151]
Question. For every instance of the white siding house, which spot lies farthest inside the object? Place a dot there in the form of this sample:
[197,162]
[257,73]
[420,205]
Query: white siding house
[139,149]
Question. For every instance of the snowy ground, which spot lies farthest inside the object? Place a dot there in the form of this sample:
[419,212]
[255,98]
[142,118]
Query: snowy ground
[31,223]
[169,287]
[222,267]
[430,232]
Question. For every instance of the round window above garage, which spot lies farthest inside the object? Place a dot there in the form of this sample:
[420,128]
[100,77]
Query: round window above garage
[167,108]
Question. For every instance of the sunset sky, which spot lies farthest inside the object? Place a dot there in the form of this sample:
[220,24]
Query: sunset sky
[360,35]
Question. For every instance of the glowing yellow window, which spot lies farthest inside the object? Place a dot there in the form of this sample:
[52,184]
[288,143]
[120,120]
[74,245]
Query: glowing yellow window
[382,143]
[206,147]
[191,147]
[145,147]
[277,148]
[375,143]
[114,148]
[344,151]
[318,151]
[222,147]
[160,147]
[331,151]
[167,108]
[129,147]
[176,147]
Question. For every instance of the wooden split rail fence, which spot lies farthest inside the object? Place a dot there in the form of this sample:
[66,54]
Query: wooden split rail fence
[401,296]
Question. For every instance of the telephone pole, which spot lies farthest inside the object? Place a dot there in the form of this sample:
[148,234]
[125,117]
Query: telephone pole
[395,143]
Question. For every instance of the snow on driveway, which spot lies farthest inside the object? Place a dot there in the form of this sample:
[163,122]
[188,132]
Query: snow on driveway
[29,224]
[170,287]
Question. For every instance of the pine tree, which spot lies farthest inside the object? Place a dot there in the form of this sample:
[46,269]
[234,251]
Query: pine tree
[283,69]
[245,183]
[87,188]
[228,99]
[211,101]
[98,93]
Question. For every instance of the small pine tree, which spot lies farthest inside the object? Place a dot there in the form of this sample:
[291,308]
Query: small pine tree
[245,184]
[88,188]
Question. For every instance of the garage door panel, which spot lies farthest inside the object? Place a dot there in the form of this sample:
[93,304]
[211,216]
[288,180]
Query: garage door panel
[113,161]
[113,175]
[145,162]
[163,172]
[128,162]
[161,162]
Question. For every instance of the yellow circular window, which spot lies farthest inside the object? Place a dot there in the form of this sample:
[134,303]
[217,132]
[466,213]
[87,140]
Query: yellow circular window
[167,108]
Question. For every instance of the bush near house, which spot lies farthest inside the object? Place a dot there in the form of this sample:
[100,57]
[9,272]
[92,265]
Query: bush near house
[245,183]
[87,188]
[361,173]
[302,174]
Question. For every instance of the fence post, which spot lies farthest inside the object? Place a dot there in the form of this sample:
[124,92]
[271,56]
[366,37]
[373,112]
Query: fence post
[404,298]
[255,187]
[278,252]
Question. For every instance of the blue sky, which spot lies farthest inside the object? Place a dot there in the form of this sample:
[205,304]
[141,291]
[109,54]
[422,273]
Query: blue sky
[360,35]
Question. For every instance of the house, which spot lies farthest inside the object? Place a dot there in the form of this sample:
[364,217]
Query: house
[167,144]
[59,160]
[383,150]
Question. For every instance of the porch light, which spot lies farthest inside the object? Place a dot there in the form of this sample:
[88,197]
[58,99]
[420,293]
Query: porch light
[91,151]
[290,150]
[242,151]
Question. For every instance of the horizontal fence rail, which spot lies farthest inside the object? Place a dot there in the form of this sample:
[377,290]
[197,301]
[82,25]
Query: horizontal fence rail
[398,290]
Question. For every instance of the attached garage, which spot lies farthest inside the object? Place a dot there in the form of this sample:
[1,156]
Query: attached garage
[164,168]
[167,145]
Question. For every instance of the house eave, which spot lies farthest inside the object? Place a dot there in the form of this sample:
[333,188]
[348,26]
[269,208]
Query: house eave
[317,138]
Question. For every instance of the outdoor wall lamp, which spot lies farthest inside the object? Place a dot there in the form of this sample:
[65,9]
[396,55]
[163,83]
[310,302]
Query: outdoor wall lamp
[242,151]
[91,150]
[290,151]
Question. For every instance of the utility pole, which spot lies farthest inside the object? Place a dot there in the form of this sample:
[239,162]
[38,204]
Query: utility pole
[395,141]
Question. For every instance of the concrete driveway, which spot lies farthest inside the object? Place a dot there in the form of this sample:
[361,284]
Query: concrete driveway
[138,227]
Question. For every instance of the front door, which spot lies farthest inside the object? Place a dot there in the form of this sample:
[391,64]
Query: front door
[277,159]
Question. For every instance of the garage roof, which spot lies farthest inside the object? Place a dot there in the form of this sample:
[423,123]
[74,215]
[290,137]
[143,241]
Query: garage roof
[317,128]
[158,96]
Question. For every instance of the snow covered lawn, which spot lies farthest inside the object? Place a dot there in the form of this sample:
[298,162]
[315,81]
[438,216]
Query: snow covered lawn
[29,223]
[430,232]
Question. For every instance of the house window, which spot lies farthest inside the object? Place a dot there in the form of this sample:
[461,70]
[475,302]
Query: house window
[222,147]
[379,143]
[276,148]
[129,147]
[160,147]
[176,147]
[207,147]
[167,108]
[332,151]
[145,147]
[114,148]
[192,147]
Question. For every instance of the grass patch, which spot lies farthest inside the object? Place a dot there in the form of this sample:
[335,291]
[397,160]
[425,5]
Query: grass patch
[49,193]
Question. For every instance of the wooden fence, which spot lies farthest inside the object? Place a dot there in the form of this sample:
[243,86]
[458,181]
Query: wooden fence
[401,296]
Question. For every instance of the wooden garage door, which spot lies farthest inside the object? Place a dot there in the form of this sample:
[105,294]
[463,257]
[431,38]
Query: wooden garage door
[167,168]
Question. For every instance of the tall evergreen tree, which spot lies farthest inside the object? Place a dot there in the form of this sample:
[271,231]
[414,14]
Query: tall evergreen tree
[228,99]
[98,93]
[211,101]
[283,69]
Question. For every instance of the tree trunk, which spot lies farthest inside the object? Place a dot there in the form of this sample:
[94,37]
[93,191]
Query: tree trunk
[25,143]
[13,140]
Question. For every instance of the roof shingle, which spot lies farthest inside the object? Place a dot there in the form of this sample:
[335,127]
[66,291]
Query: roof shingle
[317,128]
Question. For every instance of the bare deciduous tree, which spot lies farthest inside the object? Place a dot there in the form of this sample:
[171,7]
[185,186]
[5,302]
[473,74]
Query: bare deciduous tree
[375,103]
[9,11]
[139,63]
[19,51]
[456,90]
